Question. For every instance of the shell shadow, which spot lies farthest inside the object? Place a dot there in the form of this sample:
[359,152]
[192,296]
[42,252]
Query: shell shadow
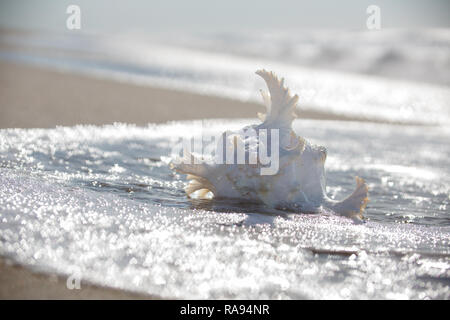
[255,212]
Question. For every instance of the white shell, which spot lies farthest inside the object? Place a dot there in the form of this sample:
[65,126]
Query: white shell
[299,183]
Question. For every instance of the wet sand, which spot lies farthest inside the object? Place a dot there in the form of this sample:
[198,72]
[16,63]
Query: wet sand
[32,97]
[37,98]
[17,282]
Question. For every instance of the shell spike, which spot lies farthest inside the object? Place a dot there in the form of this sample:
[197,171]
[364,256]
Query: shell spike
[281,112]
[353,206]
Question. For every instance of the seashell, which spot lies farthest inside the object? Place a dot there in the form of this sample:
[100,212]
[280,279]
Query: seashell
[293,180]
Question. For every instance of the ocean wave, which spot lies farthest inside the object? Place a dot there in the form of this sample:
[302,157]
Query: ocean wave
[356,75]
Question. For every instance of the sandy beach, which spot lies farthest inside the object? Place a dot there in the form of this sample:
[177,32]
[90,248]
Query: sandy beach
[17,282]
[32,97]
[37,98]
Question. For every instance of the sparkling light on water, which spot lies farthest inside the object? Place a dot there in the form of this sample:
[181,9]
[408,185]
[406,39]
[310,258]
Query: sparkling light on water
[100,201]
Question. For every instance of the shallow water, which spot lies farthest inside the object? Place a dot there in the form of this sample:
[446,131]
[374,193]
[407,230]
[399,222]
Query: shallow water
[358,75]
[100,202]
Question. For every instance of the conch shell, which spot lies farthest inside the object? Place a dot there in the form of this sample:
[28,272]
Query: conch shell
[294,180]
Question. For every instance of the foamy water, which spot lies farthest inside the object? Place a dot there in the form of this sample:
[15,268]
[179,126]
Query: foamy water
[353,74]
[100,202]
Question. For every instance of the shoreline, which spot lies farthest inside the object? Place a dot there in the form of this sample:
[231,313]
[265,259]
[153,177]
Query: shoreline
[34,97]
[20,282]
[73,99]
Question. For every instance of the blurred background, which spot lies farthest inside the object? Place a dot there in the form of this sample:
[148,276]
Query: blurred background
[327,53]
[215,16]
